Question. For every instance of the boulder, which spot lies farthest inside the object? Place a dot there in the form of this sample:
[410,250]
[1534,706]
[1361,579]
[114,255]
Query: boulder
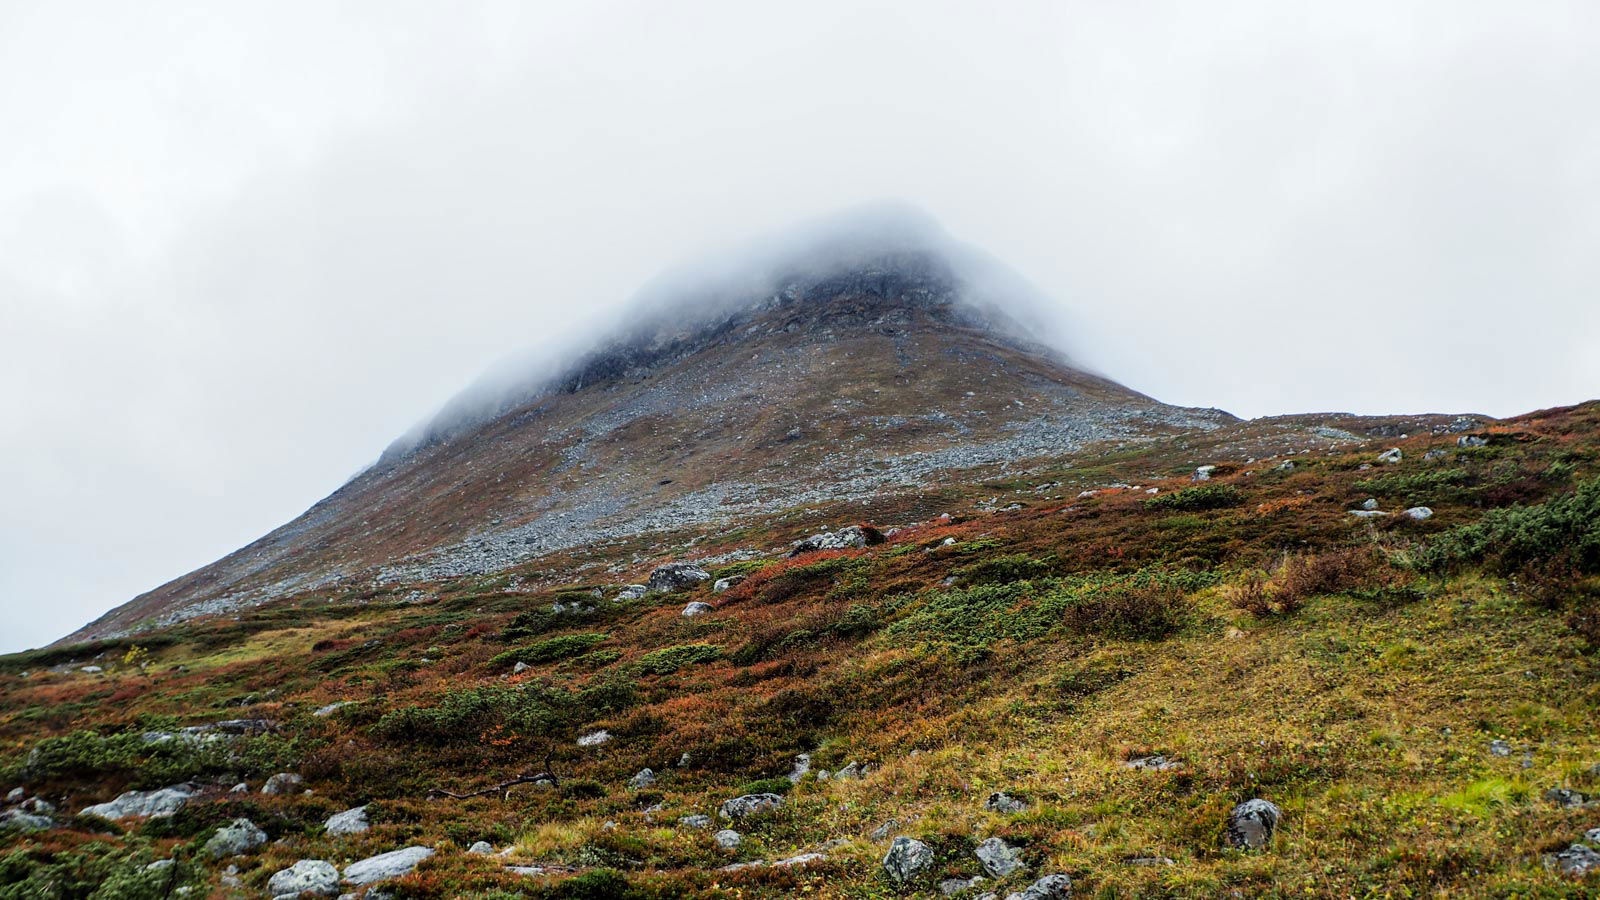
[1203,473]
[1471,440]
[1370,503]
[594,738]
[1252,823]
[643,779]
[950,887]
[631,592]
[1419,513]
[695,821]
[907,859]
[1002,802]
[325,711]
[351,821]
[1050,887]
[696,608]
[384,866]
[851,537]
[1566,798]
[1391,456]
[152,804]
[728,839]
[802,765]
[677,576]
[234,839]
[1577,861]
[851,770]
[481,848]
[519,668]
[999,858]
[722,584]
[1498,747]
[21,820]
[283,783]
[1157,763]
[308,876]
[750,805]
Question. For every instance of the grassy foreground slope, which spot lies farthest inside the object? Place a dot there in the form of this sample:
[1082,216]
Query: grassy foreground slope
[1408,691]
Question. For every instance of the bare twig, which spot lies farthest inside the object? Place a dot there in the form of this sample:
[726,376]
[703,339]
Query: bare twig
[520,779]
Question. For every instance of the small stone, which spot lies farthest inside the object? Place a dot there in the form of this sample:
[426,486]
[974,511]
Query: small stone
[325,711]
[351,821]
[950,887]
[594,738]
[1499,747]
[1251,824]
[1002,802]
[851,770]
[308,876]
[802,765]
[999,858]
[883,831]
[907,858]
[20,820]
[1471,440]
[1390,456]
[695,821]
[92,670]
[15,795]
[643,779]
[242,787]
[1050,887]
[1577,861]
[1157,763]
[1150,861]
[1432,455]
[282,783]
[1566,798]
[631,592]
[728,839]
[1369,503]
[1419,513]
[1203,473]
[677,576]
[750,805]
[1367,513]
[235,838]
[384,866]
[722,584]
[519,668]
[696,608]
[481,848]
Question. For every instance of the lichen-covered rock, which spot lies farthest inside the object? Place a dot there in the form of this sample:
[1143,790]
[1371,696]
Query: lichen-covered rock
[1419,513]
[1157,763]
[235,838]
[1251,824]
[384,866]
[1202,473]
[750,805]
[283,783]
[950,887]
[1577,861]
[722,584]
[1002,802]
[695,821]
[643,779]
[151,804]
[21,820]
[728,839]
[631,592]
[351,821]
[851,537]
[999,858]
[802,765]
[1050,887]
[696,608]
[1471,440]
[481,848]
[594,738]
[677,576]
[907,859]
[308,876]
[1391,456]
[1566,798]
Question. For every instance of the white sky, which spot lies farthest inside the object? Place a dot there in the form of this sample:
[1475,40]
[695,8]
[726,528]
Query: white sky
[244,245]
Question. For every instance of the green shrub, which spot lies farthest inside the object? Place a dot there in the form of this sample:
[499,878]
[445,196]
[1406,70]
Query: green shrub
[1201,496]
[90,756]
[766,786]
[531,711]
[1004,569]
[549,650]
[670,659]
[1508,539]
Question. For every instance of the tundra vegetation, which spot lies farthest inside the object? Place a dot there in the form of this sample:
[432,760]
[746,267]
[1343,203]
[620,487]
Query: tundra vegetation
[1094,680]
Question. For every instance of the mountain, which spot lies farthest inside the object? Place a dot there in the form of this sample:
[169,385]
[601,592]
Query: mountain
[857,357]
[820,575]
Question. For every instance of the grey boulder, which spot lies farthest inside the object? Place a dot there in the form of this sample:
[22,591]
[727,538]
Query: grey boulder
[677,576]
[999,858]
[643,779]
[1419,513]
[1391,456]
[1577,861]
[235,838]
[1002,802]
[907,858]
[282,783]
[1251,824]
[351,821]
[695,821]
[728,839]
[384,866]
[851,537]
[151,804]
[750,805]
[21,820]
[1050,887]
[696,608]
[481,848]
[308,876]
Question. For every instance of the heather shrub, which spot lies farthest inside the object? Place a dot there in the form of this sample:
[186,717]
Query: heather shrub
[1511,538]
[670,659]
[1201,496]
[562,647]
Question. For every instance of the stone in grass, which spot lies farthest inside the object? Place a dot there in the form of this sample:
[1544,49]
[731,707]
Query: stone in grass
[950,887]
[283,783]
[643,779]
[728,839]
[1002,802]
[999,858]
[151,804]
[594,738]
[384,866]
[907,859]
[696,608]
[308,876]
[234,839]
[677,576]
[481,848]
[351,821]
[695,821]
[1566,798]
[1050,887]
[750,805]
[1577,861]
[1251,824]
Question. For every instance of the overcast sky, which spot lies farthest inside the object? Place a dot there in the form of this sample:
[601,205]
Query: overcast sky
[245,245]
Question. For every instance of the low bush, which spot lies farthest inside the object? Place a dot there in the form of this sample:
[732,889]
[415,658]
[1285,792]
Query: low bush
[1297,578]
[504,715]
[1201,496]
[670,659]
[550,650]
[1512,538]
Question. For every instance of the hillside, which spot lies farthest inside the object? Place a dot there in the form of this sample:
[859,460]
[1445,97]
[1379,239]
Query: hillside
[1416,697]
